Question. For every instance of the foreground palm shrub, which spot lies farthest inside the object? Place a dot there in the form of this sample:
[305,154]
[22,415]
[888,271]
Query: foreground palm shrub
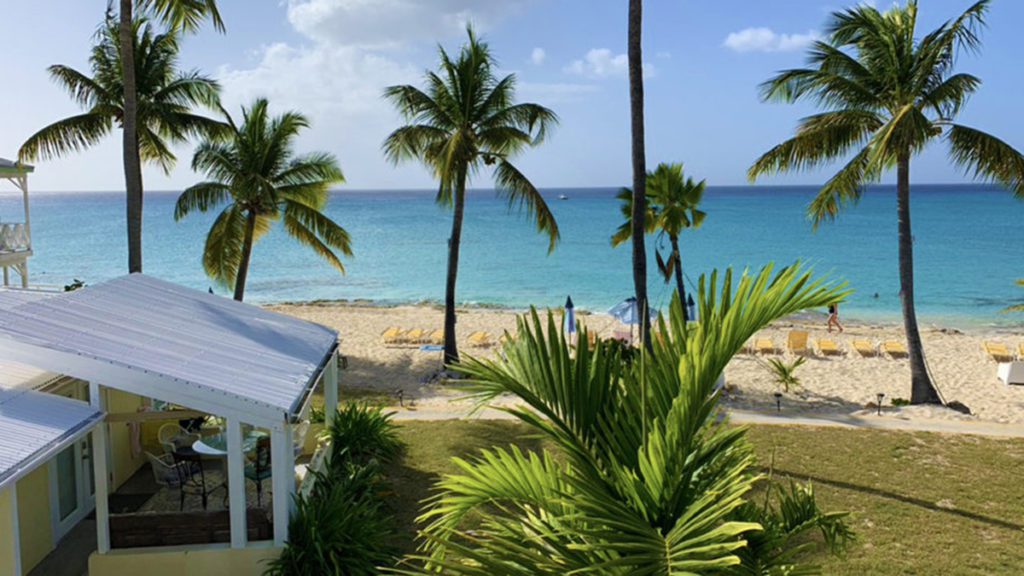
[342,527]
[648,479]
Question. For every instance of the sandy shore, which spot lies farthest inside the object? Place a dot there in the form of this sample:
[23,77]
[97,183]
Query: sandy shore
[829,385]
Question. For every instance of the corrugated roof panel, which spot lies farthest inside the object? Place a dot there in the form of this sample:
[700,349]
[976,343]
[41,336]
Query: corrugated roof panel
[33,423]
[190,337]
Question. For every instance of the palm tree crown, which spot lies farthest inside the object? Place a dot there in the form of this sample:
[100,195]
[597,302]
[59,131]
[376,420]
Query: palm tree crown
[258,180]
[167,99]
[672,202]
[648,479]
[463,121]
[887,94]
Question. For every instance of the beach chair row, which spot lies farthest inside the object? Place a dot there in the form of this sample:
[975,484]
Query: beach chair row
[397,336]
[798,342]
[1001,352]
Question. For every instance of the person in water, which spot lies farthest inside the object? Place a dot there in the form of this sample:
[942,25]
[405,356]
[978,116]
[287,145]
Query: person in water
[833,318]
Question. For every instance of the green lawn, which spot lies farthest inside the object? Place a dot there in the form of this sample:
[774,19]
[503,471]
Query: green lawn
[921,503]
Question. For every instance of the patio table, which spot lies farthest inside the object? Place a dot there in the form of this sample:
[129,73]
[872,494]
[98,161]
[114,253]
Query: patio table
[217,444]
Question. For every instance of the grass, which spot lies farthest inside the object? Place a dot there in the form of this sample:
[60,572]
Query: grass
[920,503]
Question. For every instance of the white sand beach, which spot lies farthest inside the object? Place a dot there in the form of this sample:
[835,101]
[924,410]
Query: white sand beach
[845,384]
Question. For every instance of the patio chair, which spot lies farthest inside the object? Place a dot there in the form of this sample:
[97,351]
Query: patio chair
[173,437]
[796,342]
[828,347]
[436,338]
[764,346]
[480,340]
[259,468]
[192,477]
[997,351]
[865,348]
[165,470]
[392,335]
[895,349]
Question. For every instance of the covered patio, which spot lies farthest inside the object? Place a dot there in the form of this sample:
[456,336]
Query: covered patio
[15,236]
[194,352]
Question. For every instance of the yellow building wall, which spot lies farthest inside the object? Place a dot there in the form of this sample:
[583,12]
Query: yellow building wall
[34,517]
[6,533]
[122,463]
[180,561]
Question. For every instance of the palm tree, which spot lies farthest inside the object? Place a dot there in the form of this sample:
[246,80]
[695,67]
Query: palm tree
[180,15]
[672,202]
[647,479]
[167,96]
[464,120]
[636,123]
[258,180]
[887,94]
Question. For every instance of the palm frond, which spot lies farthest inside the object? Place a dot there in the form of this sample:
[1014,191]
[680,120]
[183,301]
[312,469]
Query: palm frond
[523,195]
[72,134]
[202,197]
[185,15]
[222,254]
[984,156]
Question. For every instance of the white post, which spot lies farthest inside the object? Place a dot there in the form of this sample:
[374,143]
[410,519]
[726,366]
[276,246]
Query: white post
[15,529]
[24,193]
[283,479]
[331,389]
[236,484]
[100,474]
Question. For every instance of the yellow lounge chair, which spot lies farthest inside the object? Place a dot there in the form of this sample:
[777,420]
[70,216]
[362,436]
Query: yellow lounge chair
[895,349]
[865,348]
[1020,352]
[764,346]
[392,335]
[829,347]
[796,342]
[436,338]
[997,351]
[414,336]
[480,340]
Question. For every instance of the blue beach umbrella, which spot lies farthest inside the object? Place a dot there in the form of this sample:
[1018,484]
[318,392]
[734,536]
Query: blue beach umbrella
[570,316]
[627,313]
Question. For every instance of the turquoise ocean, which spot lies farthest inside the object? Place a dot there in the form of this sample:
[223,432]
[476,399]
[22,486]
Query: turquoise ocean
[968,248]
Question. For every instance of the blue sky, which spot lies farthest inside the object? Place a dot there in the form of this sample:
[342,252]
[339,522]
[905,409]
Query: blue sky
[331,58]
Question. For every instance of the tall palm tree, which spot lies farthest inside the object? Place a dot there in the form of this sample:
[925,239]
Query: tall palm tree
[180,15]
[168,98]
[887,94]
[672,202]
[464,120]
[639,158]
[258,180]
[647,479]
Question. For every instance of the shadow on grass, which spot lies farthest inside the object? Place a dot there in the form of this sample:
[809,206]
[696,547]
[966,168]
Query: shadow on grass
[997,522]
[430,447]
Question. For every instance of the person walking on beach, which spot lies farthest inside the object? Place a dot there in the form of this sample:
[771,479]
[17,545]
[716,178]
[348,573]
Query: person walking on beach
[833,318]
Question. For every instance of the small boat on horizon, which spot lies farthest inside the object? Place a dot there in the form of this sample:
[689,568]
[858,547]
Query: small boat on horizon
[563,197]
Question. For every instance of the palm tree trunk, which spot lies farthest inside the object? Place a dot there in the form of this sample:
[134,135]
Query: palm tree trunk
[680,287]
[636,108]
[243,264]
[130,135]
[922,391]
[451,348]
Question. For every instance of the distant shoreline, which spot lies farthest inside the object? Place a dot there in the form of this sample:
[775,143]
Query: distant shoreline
[963,324]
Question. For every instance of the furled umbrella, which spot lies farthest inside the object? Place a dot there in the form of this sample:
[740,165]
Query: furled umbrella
[570,317]
[627,313]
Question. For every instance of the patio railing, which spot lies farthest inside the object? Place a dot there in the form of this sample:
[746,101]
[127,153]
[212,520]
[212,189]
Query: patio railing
[13,237]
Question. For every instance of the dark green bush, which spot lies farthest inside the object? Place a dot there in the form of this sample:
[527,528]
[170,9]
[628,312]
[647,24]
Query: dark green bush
[342,527]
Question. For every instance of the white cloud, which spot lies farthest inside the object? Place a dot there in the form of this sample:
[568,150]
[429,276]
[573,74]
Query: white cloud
[767,40]
[549,94]
[391,23]
[603,63]
[537,56]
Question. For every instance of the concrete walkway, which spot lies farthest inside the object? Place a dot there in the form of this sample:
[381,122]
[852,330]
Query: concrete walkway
[883,422]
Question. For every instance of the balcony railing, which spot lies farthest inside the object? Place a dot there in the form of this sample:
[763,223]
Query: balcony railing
[13,237]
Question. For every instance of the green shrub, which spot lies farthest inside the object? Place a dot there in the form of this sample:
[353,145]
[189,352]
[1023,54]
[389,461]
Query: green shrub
[340,529]
[364,433]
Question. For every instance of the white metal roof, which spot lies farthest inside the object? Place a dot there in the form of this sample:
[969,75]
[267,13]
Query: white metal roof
[34,425]
[159,339]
